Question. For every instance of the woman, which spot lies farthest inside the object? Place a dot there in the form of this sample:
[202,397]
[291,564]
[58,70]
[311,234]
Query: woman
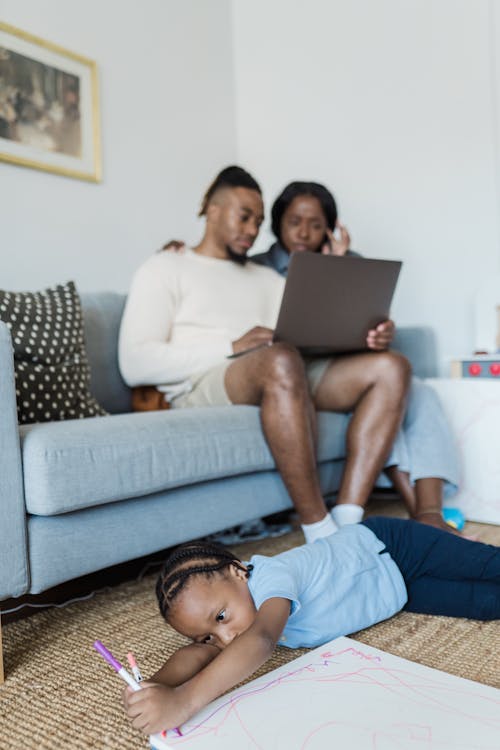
[423,465]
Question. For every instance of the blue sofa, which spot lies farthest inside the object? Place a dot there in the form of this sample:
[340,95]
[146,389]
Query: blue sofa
[82,495]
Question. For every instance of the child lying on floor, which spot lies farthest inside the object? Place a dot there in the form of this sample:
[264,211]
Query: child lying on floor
[235,613]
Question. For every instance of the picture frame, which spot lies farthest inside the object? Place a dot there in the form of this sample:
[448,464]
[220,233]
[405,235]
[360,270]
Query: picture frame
[49,107]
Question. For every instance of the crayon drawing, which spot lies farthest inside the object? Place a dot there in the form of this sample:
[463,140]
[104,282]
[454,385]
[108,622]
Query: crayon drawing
[348,695]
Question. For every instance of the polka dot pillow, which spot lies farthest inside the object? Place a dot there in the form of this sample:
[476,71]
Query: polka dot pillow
[51,367]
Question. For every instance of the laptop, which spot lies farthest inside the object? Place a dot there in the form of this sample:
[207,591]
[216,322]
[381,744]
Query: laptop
[331,302]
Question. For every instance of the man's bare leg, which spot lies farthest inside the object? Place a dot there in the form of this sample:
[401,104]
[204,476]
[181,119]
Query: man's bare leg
[274,378]
[373,386]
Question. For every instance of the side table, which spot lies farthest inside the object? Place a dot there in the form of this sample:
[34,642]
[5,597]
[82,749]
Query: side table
[473,411]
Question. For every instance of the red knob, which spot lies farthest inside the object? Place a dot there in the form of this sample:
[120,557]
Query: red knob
[475,369]
[495,368]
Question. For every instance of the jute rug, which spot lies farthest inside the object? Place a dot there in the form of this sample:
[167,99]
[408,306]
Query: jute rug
[60,693]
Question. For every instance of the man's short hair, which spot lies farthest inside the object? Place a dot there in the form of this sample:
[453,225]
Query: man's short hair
[293,190]
[230,177]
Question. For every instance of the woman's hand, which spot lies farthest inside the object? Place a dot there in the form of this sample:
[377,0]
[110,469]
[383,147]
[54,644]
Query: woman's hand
[155,707]
[337,246]
[380,338]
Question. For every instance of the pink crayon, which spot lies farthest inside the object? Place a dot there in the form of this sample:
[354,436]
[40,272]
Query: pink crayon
[120,671]
[133,666]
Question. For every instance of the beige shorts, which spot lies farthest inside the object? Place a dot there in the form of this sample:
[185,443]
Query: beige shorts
[207,388]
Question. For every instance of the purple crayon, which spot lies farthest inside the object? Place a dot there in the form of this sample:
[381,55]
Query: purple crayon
[119,669]
[122,672]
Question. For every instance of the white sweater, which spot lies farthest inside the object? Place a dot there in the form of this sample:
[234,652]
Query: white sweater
[183,312]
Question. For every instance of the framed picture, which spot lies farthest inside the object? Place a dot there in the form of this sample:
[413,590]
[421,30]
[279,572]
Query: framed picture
[49,109]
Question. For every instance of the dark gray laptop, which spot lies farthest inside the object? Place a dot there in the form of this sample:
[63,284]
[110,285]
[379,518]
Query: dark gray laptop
[331,302]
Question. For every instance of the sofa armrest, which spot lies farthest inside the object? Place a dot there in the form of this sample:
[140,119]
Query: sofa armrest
[418,344]
[14,576]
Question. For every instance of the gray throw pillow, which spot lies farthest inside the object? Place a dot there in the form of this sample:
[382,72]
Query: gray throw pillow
[51,367]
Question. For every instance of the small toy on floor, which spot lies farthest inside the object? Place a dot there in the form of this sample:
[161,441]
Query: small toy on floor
[454,517]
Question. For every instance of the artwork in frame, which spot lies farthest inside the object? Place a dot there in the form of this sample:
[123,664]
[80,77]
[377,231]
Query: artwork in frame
[49,109]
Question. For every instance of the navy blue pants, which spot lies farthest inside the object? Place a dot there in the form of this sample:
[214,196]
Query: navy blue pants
[444,573]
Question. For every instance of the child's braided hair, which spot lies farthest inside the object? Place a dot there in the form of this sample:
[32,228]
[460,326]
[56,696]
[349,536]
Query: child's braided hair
[187,560]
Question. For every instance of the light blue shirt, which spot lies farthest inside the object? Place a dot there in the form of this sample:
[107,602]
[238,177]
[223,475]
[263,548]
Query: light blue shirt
[336,586]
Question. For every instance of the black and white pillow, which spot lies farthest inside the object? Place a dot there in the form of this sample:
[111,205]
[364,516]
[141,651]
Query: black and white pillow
[51,367]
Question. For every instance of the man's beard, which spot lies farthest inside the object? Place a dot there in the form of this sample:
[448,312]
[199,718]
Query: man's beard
[236,257]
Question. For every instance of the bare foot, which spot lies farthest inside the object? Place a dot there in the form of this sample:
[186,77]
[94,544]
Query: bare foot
[437,520]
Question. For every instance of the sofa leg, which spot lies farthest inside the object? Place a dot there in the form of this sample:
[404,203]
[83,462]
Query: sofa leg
[1,654]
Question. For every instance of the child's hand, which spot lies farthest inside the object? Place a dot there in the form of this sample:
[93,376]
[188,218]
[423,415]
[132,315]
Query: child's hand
[154,707]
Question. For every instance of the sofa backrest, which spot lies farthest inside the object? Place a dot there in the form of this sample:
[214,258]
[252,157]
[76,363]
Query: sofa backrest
[418,344]
[102,313]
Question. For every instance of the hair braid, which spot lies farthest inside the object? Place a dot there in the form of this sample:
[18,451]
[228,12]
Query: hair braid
[207,558]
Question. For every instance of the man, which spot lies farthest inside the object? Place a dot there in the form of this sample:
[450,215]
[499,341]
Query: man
[186,313]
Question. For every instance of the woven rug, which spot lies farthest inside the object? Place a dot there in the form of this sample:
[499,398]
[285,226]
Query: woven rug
[60,693]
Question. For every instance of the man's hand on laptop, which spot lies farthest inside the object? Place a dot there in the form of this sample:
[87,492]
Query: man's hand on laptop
[380,338]
[253,339]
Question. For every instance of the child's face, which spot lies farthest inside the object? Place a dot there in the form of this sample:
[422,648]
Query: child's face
[214,610]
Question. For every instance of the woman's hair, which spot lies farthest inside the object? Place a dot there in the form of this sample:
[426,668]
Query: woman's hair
[188,560]
[230,177]
[293,190]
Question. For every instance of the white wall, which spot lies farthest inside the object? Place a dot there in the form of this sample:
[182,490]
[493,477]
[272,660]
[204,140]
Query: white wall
[167,122]
[392,104]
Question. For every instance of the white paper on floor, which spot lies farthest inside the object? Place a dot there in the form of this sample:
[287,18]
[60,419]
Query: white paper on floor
[348,695]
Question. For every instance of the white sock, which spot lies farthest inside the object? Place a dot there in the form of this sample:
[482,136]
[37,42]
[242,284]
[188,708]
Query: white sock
[325,527]
[347,513]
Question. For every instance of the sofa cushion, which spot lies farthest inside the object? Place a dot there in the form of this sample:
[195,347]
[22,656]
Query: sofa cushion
[51,369]
[78,464]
